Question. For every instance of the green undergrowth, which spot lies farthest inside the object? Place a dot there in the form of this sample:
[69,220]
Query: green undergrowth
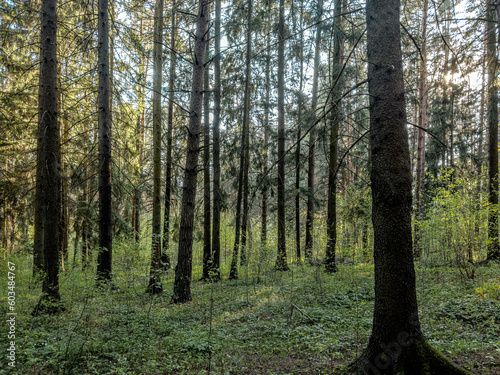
[298,322]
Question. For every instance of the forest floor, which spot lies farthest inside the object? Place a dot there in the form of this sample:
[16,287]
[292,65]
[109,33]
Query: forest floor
[297,322]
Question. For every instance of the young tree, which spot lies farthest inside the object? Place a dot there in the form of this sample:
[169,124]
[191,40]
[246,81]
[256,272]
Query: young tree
[155,286]
[281,262]
[47,163]
[396,344]
[104,259]
[183,271]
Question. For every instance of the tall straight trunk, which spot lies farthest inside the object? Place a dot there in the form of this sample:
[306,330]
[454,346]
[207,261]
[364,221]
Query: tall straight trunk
[170,125]
[104,259]
[38,208]
[216,149]
[281,262]
[48,145]
[492,118]
[183,271]
[207,243]
[246,119]
[396,344]
[155,286]
[422,96]
[241,217]
[336,114]
[299,136]
[312,141]
[263,233]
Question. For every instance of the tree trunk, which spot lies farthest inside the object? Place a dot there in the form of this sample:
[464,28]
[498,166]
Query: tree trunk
[396,345]
[207,251]
[104,259]
[216,150]
[312,141]
[281,262]
[420,183]
[241,225]
[299,136]
[336,114]
[155,286]
[246,119]
[492,118]
[48,160]
[263,232]
[183,271]
[165,257]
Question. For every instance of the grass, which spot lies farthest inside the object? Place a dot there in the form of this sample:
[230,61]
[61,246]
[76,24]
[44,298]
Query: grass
[297,322]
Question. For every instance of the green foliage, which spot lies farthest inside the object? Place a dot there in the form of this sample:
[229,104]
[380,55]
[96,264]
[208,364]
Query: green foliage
[301,321]
[454,229]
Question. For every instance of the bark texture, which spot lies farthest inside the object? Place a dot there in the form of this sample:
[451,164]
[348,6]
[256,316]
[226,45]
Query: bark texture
[492,118]
[396,345]
[312,142]
[155,286]
[48,164]
[216,150]
[281,261]
[183,271]
[336,114]
[104,259]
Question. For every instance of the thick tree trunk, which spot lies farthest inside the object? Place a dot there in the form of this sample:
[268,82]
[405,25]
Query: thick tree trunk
[422,114]
[155,286]
[165,256]
[207,242]
[492,118]
[48,160]
[216,150]
[281,262]
[396,345]
[183,271]
[312,141]
[336,114]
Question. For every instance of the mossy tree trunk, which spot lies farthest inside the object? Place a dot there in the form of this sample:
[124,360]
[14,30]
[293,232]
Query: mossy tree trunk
[396,344]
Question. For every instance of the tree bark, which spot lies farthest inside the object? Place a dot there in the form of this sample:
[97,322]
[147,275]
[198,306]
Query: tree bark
[312,141]
[300,105]
[336,114]
[183,271]
[207,242]
[48,164]
[246,119]
[422,114]
[104,259]
[492,118]
[165,255]
[281,262]
[396,344]
[155,286]
[216,149]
